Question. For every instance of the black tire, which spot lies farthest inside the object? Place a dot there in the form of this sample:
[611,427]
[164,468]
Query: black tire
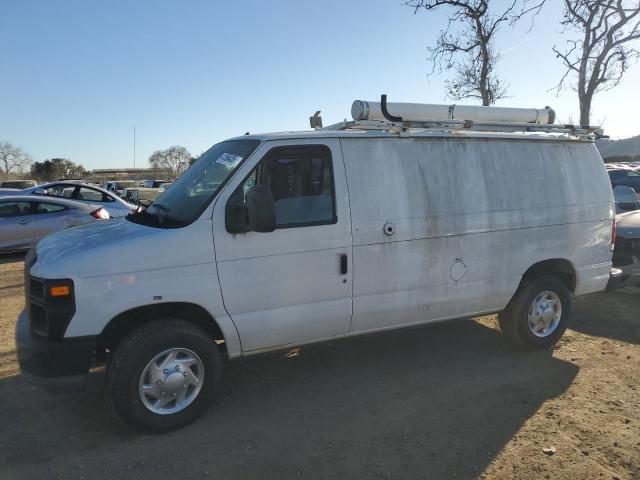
[514,321]
[137,350]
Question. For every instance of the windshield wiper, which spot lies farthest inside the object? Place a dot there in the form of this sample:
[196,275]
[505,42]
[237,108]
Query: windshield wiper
[159,207]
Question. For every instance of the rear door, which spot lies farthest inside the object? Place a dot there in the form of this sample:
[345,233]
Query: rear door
[17,225]
[292,285]
[51,217]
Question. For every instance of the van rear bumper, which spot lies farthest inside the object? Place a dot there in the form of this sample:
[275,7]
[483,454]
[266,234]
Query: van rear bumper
[56,365]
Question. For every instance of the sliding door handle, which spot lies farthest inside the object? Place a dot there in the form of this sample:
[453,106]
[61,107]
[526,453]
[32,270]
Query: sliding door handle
[344,264]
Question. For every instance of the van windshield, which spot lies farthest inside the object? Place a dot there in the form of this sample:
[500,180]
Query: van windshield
[190,194]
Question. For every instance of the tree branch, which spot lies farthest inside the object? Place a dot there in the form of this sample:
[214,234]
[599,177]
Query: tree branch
[466,44]
[602,56]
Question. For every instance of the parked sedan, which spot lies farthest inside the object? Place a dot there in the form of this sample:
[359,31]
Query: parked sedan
[26,219]
[627,177]
[626,255]
[82,192]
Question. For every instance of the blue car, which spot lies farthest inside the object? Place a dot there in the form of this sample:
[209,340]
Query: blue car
[626,177]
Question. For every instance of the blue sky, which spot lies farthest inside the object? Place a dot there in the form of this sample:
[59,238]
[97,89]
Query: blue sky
[77,75]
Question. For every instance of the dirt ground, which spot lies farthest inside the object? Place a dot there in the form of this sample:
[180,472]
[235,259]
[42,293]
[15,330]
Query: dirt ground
[444,401]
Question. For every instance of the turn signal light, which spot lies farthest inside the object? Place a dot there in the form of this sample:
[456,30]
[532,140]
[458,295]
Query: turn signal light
[60,291]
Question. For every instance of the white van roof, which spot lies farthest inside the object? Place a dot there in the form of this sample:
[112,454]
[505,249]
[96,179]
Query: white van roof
[377,133]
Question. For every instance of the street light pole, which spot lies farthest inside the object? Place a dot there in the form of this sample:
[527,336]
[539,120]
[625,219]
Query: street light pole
[134,149]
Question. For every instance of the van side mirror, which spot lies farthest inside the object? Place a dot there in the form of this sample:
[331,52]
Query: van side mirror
[255,214]
[261,209]
[40,191]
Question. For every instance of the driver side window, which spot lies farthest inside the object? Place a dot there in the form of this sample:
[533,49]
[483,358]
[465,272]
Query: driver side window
[300,179]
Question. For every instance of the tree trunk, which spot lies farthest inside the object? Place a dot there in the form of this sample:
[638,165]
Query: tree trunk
[486,100]
[484,75]
[585,109]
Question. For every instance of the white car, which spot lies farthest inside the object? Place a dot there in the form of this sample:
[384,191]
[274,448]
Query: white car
[81,192]
[278,240]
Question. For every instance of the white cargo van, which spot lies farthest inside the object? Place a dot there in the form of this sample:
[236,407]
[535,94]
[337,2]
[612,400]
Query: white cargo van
[277,240]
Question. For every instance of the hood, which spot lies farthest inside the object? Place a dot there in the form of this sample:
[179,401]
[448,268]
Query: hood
[88,238]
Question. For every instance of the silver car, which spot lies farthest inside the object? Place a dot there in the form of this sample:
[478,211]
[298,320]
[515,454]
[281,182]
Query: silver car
[81,192]
[26,219]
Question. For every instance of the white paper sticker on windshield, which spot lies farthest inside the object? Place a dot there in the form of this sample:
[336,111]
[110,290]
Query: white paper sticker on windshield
[229,159]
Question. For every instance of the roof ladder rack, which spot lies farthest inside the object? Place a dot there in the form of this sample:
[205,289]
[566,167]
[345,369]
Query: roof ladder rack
[398,124]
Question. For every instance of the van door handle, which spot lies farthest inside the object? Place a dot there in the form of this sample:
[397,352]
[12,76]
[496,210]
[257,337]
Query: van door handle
[344,264]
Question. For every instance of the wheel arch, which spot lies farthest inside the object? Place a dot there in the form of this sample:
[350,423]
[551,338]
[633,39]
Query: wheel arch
[559,267]
[124,323]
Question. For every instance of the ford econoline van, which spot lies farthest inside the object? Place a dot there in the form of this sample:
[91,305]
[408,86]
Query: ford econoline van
[278,240]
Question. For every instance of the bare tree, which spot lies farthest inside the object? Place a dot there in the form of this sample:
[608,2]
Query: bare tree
[174,159]
[602,53]
[13,159]
[467,44]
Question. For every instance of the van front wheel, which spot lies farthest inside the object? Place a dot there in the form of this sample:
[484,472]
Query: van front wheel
[537,315]
[163,375]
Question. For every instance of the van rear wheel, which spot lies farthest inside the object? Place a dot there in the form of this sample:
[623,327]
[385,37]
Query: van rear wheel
[163,375]
[538,314]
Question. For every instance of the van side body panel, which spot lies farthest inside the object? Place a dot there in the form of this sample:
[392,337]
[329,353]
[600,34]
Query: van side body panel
[470,216]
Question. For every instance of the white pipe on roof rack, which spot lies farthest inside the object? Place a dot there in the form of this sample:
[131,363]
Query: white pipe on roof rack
[365,110]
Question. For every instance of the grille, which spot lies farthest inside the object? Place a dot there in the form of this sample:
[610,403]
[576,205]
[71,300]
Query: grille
[39,320]
[48,317]
[36,288]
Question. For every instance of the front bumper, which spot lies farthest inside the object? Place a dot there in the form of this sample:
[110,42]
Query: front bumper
[56,365]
